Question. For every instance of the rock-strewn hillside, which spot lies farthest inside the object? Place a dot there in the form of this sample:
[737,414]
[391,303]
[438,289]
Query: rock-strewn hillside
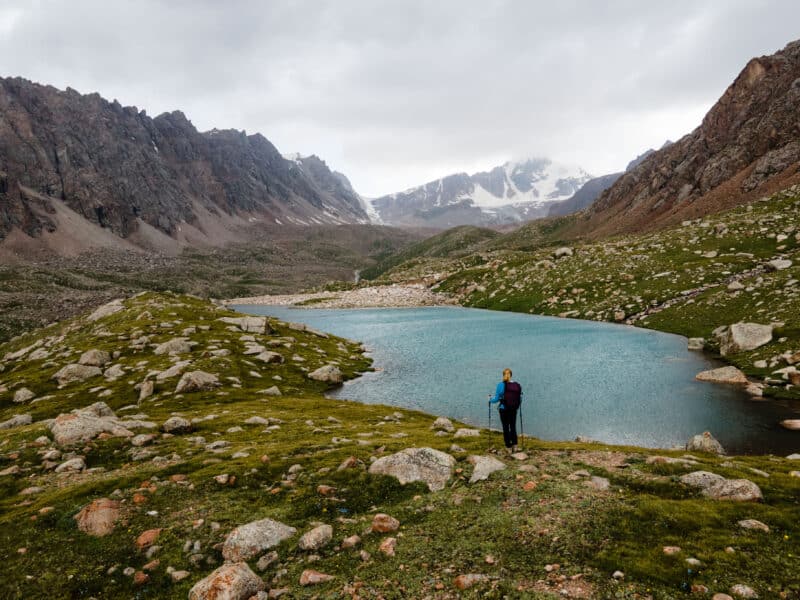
[748,145]
[63,153]
[163,448]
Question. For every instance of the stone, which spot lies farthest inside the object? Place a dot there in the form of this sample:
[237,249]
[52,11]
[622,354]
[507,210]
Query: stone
[735,286]
[94,358]
[85,424]
[256,421]
[12,470]
[147,538]
[417,464]
[351,542]
[143,439]
[272,391]
[269,357]
[74,465]
[701,479]
[468,580]
[743,591]
[250,540]
[312,577]
[229,582]
[791,424]
[705,442]
[741,337]
[779,264]
[598,483]
[106,310]
[114,372]
[720,596]
[484,466]
[317,538]
[736,490]
[671,550]
[562,252]
[196,381]
[23,395]
[180,345]
[265,561]
[146,389]
[351,462]
[383,523]
[177,426]
[443,424]
[520,456]
[388,546]
[99,517]
[249,324]
[178,576]
[696,343]
[464,432]
[753,524]
[75,373]
[327,374]
[729,374]
[16,421]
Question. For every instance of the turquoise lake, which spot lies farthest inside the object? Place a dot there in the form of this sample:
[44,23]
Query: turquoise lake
[608,382]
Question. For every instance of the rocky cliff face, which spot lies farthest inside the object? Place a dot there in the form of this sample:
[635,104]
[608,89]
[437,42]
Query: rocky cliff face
[748,145]
[118,168]
[512,193]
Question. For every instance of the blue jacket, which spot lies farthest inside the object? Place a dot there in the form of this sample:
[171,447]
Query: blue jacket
[498,395]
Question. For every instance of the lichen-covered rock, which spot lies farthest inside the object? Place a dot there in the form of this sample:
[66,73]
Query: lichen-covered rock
[16,421]
[234,581]
[269,357]
[312,577]
[180,345]
[99,517]
[736,490]
[83,425]
[327,374]
[317,538]
[705,442]
[443,424]
[417,464]
[23,395]
[484,466]
[383,523]
[177,426]
[741,337]
[196,381]
[73,373]
[94,358]
[701,479]
[250,540]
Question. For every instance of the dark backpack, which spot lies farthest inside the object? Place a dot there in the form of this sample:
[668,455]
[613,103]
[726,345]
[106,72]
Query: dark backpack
[512,395]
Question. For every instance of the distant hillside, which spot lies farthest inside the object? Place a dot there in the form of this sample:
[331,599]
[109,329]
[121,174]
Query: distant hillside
[79,171]
[588,193]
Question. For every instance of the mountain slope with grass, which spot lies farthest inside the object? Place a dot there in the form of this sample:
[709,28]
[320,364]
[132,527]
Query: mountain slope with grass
[128,474]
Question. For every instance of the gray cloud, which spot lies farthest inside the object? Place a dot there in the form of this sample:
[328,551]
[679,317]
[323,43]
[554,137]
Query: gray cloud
[396,93]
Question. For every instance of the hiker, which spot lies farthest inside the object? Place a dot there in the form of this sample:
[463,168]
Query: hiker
[509,394]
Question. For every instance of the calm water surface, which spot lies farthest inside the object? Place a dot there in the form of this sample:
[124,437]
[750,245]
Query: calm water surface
[608,382]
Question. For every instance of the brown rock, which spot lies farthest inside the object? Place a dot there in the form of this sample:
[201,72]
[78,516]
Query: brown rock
[234,581]
[140,578]
[464,582]
[312,577]
[388,545]
[147,538]
[382,523]
[99,517]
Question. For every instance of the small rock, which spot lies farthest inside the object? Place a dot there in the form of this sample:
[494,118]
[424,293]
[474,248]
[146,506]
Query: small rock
[443,424]
[177,426]
[484,466]
[317,538]
[753,524]
[196,381]
[23,395]
[247,541]
[229,582]
[464,432]
[729,375]
[671,550]
[743,591]
[99,517]
[383,523]
[94,358]
[705,442]
[327,374]
[147,538]
[464,582]
[388,546]
[311,577]
[351,542]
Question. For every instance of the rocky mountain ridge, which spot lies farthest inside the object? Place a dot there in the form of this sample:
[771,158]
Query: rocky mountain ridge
[142,178]
[747,146]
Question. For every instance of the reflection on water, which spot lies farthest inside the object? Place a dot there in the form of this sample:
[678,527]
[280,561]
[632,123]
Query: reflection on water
[608,382]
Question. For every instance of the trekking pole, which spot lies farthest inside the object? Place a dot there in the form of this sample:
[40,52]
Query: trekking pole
[521,428]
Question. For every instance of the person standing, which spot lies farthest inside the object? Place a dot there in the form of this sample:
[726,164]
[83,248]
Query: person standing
[508,394]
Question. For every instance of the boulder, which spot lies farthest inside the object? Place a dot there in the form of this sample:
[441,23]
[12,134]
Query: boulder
[696,343]
[327,374]
[146,390]
[317,538]
[269,357]
[234,581]
[180,345]
[417,464]
[741,337]
[177,426]
[729,374]
[94,358]
[16,421]
[23,395]
[249,324]
[75,373]
[114,372]
[737,490]
[443,424]
[107,309]
[464,432]
[250,540]
[196,381]
[779,264]
[484,466]
[99,517]
[701,479]
[86,424]
[383,523]
[73,465]
[705,442]
[562,252]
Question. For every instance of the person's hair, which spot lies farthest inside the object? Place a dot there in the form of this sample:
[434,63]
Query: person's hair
[507,374]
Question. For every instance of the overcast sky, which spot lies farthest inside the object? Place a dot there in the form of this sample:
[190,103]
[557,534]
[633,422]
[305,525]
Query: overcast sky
[394,94]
